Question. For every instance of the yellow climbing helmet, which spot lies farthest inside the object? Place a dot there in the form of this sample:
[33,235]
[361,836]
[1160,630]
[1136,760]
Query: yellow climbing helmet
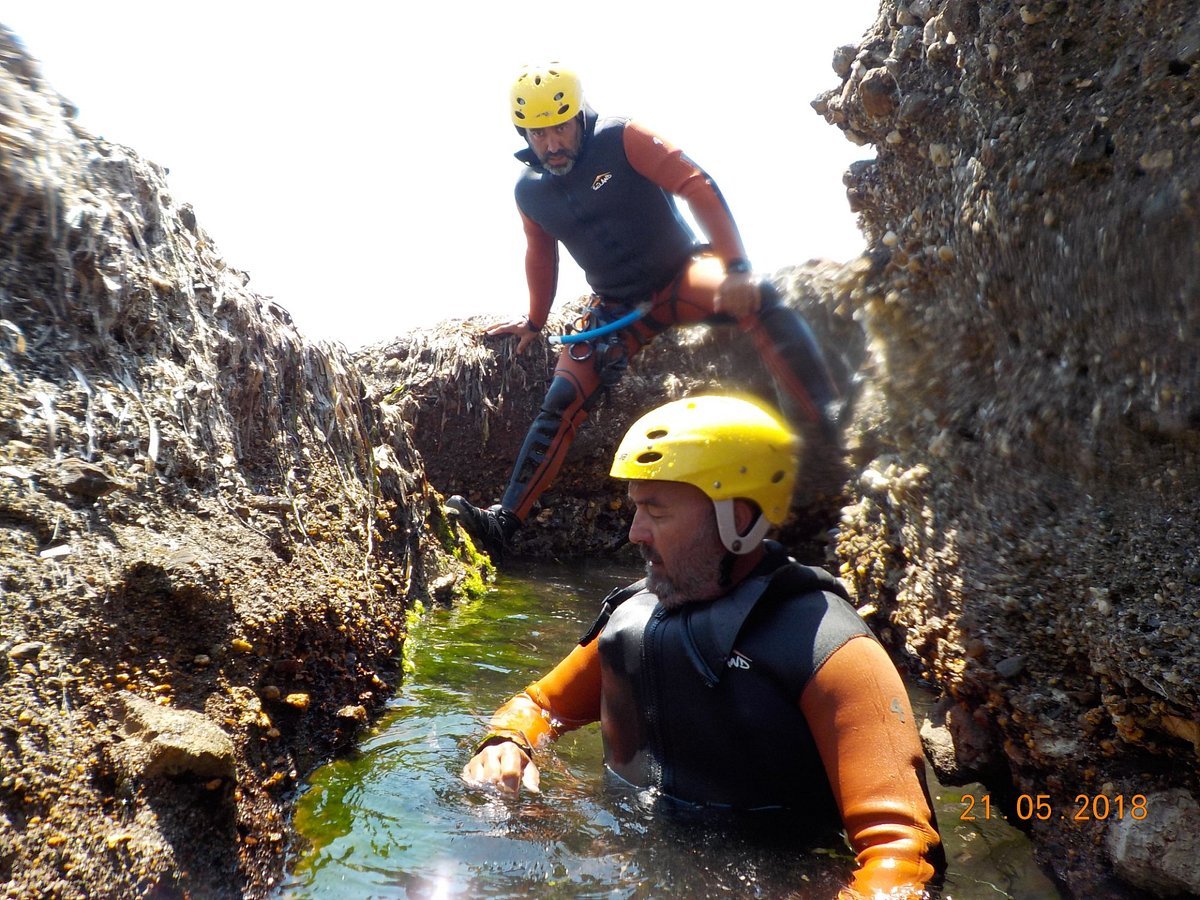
[728,447]
[545,95]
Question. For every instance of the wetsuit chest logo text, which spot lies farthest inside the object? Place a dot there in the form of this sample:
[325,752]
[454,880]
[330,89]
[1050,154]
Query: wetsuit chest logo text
[601,180]
[737,661]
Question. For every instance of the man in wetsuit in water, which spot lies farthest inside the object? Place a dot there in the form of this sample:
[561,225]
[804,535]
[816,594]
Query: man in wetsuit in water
[605,189]
[732,676]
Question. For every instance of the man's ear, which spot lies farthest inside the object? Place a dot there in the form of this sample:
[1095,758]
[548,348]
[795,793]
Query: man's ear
[745,514]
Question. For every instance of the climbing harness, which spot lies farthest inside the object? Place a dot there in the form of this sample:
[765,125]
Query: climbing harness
[580,337]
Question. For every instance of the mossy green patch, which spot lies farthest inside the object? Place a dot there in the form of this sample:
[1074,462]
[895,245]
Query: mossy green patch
[477,568]
[412,618]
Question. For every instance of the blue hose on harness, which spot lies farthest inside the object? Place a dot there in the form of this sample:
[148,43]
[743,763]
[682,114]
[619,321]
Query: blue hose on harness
[615,325]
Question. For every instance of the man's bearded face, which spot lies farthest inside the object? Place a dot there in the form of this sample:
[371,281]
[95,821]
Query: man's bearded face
[557,147]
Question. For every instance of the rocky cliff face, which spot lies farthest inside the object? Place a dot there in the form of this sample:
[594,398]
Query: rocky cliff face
[1033,315]
[207,541]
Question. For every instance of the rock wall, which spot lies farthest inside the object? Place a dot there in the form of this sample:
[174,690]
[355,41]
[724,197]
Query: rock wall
[470,399]
[208,542]
[1030,518]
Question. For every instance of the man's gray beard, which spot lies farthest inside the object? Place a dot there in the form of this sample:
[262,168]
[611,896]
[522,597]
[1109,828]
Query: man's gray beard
[699,576]
[559,170]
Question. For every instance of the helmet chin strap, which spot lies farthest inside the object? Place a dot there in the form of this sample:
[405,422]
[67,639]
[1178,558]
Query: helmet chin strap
[740,544]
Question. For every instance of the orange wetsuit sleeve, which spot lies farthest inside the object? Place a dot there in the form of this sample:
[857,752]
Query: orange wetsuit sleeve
[541,270]
[566,698]
[671,170]
[859,714]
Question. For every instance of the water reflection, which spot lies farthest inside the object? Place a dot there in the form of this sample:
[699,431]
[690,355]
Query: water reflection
[394,819]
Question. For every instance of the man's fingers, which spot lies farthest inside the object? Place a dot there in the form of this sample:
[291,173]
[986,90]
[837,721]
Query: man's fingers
[472,773]
[532,779]
[513,764]
[500,328]
[504,766]
[519,327]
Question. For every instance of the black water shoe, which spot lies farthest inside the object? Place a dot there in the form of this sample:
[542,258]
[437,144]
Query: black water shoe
[491,528]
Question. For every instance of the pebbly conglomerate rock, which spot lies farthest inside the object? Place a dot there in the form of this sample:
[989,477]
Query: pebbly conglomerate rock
[1029,517]
[208,543]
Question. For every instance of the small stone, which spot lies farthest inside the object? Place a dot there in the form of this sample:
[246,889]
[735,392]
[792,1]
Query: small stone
[201,659]
[164,741]
[241,645]
[1187,51]
[1160,159]
[356,713]
[297,700]
[1010,667]
[913,106]
[843,59]
[87,480]
[879,93]
[270,692]
[939,155]
[921,9]
[27,650]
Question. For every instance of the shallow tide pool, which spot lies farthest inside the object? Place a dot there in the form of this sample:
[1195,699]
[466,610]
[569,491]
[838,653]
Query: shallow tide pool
[393,819]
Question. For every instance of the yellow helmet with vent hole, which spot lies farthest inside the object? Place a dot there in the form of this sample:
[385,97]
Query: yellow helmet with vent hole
[546,95]
[727,446]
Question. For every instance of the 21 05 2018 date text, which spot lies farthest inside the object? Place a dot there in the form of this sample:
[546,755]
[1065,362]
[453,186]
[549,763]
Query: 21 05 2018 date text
[1042,807]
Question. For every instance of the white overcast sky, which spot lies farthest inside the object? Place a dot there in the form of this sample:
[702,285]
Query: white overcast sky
[356,157]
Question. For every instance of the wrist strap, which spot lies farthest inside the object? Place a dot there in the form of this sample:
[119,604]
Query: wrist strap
[500,735]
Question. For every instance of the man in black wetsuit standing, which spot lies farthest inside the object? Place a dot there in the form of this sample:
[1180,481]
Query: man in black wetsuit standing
[605,189]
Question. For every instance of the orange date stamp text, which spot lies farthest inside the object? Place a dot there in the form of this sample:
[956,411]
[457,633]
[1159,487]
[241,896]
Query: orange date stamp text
[1042,808]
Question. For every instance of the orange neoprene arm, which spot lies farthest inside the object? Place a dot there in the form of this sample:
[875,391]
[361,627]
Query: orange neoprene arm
[671,170]
[565,699]
[863,724]
[541,270]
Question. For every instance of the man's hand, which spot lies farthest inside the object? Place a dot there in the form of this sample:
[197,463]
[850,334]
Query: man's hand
[503,765]
[738,295]
[519,327]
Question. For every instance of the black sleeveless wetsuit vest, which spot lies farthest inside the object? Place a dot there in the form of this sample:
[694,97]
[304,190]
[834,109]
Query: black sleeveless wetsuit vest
[623,230]
[702,703]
